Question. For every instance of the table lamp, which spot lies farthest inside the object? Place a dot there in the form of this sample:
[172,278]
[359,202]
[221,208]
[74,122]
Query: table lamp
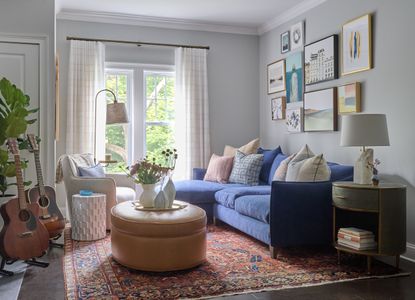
[116,114]
[364,130]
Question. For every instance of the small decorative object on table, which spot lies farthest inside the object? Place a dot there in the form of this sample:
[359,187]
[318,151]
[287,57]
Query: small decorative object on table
[150,174]
[375,171]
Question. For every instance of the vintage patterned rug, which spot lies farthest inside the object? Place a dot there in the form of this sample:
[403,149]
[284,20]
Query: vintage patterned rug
[235,264]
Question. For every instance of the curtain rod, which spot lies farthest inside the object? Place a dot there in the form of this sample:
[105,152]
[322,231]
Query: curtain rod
[68,38]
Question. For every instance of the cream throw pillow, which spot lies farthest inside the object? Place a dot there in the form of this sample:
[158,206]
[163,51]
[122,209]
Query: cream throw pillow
[250,148]
[295,164]
[281,171]
[314,169]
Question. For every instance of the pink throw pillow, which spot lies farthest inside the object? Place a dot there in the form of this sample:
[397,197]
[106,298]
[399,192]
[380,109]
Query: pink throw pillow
[219,169]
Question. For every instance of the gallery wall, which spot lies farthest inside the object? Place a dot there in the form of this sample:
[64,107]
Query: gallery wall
[387,88]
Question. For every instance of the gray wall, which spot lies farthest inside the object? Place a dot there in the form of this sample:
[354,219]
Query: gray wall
[387,88]
[232,72]
[37,19]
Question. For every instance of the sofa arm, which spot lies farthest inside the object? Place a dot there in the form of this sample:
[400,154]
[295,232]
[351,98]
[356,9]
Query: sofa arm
[198,173]
[301,213]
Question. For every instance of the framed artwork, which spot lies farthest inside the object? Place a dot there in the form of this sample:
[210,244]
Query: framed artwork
[348,98]
[276,77]
[285,42]
[294,74]
[297,35]
[278,108]
[320,110]
[294,119]
[357,45]
[321,60]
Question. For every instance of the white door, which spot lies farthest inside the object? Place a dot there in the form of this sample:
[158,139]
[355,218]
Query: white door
[20,63]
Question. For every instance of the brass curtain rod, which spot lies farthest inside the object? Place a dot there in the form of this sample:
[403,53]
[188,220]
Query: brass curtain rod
[68,38]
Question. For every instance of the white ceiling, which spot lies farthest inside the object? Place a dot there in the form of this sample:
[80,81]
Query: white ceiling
[246,14]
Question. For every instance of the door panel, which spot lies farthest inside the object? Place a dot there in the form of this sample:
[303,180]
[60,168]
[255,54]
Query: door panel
[20,63]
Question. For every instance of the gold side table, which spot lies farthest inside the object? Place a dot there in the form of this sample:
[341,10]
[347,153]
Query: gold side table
[380,209]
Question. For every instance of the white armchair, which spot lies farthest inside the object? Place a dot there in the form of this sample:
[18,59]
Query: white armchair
[117,188]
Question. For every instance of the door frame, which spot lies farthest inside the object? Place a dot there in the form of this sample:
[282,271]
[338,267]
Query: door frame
[46,103]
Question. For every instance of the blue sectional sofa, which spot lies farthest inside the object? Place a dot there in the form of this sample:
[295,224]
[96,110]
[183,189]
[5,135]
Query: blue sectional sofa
[278,213]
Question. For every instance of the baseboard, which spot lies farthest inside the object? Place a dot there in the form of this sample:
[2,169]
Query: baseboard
[410,252]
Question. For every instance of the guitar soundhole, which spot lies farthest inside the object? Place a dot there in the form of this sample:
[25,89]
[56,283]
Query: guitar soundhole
[43,202]
[24,215]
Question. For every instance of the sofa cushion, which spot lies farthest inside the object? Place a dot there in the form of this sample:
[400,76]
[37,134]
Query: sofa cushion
[93,171]
[340,172]
[313,169]
[199,191]
[275,164]
[269,157]
[228,196]
[295,164]
[249,148]
[219,168]
[246,168]
[254,206]
[281,172]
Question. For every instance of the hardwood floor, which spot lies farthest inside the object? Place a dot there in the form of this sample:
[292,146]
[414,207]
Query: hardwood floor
[47,284]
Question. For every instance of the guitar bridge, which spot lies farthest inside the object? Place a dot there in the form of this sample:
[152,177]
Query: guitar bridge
[26,234]
[45,217]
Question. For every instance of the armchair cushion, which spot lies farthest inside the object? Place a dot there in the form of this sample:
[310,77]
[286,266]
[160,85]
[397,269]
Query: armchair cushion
[94,171]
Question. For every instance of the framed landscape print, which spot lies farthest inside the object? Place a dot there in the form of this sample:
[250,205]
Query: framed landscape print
[285,42]
[321,60]
[294,119]
[278,108]
[297,35]
[357,45]
[348,98]
[320,110]
[294,74]
[276,77]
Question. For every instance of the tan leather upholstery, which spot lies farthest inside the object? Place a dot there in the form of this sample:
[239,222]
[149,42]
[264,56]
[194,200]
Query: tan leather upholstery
[158,241]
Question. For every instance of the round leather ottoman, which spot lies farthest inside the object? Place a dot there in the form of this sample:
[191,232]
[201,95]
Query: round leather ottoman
[158,241]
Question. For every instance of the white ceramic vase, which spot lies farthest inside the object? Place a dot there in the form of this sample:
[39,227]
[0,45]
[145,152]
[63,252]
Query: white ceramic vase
[169,191]
[148,195]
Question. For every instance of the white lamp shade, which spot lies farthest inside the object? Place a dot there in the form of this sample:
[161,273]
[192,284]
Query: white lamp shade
[364,130]
[116,113]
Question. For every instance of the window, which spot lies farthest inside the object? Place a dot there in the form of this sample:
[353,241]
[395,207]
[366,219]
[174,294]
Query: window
[117,136]
[148,91]
[159,114]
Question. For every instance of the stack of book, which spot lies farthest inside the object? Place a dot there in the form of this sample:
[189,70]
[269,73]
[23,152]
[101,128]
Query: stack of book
[356,238]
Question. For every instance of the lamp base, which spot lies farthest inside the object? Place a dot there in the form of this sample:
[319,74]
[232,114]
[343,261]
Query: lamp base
[362,173]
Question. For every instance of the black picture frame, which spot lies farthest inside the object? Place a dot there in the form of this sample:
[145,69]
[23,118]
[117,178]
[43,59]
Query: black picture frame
[312,54]
[285,48]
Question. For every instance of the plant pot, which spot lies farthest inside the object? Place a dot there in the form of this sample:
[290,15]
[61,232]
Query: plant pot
[148,195]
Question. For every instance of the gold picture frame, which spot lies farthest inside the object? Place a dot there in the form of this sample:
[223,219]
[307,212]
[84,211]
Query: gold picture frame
[356,45]
[276,77]
[353,92]
[278,107]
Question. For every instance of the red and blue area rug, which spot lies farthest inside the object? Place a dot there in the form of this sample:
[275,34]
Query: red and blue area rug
[236,264]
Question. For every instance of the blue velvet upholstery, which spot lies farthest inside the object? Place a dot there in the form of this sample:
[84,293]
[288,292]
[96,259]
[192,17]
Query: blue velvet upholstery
[254,206]
[278,159]
[227,196]
[341,172]
[250,226]
[199,173]
[199,191]
[301,213]
[269,156]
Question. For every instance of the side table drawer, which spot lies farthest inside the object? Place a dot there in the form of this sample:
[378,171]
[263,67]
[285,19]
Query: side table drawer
[360,199]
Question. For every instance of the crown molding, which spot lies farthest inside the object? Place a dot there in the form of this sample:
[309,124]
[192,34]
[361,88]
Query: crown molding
[289,15]
[138,20]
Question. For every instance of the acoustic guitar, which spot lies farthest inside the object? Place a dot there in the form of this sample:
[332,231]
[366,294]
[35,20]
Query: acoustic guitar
[45,197]
[23,235]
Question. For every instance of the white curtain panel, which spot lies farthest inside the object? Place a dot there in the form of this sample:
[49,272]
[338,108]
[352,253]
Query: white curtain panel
[86,78]
[192,111]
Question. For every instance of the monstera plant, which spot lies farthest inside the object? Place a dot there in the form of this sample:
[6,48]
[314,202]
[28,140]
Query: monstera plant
[14,120]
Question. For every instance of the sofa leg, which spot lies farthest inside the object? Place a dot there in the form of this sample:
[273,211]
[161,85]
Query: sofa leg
[215,221]
[273,252]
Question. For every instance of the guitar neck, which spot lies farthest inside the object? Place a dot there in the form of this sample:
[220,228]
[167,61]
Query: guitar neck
[39,174]
[20,182]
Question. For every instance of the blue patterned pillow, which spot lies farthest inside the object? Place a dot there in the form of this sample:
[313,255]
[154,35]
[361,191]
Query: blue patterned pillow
[246,168]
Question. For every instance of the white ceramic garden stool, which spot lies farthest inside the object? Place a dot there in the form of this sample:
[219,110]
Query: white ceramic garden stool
[88,220]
